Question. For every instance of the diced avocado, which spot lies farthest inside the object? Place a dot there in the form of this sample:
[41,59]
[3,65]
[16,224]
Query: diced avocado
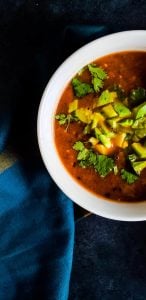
[113,122]
[97,118]
[109,111]
[107,131]
[140,133]
[73,106]
[138,166]
[122,110]
[93,140]
[87,129]
[84,115]
[126,122]
[135,138]
[139,149]
[139,123]
[97,132]
[141,110]
[106,97]
[105,140]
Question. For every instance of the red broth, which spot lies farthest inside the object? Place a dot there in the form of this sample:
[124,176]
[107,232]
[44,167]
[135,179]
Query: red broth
[127,70]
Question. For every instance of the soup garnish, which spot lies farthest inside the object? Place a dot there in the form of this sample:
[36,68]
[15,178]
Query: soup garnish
[105,123]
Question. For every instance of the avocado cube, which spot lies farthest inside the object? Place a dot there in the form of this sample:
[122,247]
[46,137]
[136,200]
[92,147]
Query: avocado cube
[126,122]
[105,140]
[140,110]
[113,122]
[139,149]
[109,111]
[138,166]
[106,97]
[122,110]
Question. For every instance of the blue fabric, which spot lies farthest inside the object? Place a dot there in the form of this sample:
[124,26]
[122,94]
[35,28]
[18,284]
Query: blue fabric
[36,241]
[36,218]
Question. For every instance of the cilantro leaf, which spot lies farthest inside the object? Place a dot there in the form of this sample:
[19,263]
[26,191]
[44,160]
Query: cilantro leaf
[104,165]
[81,89]
[98,75]
[66,119]
[97,84]
[97,71]
[86,157]
[83,154]
[137,95]
[128,176]
[62,118]
[78,146]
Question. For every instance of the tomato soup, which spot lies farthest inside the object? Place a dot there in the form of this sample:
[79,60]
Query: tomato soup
[100,126]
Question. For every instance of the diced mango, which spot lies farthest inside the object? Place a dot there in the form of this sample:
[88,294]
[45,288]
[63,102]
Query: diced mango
[73,106]
[102,149]
[118,140]
[93,140]
[97,118]
[84,115]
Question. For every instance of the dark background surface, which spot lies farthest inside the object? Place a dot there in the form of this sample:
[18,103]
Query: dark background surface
[35,37]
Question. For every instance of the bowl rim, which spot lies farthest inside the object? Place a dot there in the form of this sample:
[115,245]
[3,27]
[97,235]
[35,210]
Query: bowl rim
[109,209]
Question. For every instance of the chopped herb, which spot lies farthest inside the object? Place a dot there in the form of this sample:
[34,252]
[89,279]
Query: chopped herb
[98,75]
[97,84]
[81,89]
[128,176]
[101,163]
[78,146]
[66,119]
[137,96]
[83,154]
[97,71]
[104,165]
[62,118]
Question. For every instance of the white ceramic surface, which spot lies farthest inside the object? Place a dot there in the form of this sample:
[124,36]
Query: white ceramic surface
[128,40]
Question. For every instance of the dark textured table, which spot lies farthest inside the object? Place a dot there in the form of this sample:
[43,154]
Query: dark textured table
[35,37]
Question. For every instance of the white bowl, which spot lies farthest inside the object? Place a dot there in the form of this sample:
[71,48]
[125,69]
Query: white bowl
[127,40]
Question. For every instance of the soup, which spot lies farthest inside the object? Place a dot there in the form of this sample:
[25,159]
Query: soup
[100,126]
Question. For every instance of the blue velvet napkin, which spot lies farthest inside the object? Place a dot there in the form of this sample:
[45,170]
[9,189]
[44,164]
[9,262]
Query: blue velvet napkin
[36,218]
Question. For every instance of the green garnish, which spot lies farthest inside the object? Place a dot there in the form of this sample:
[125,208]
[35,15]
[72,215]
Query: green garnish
[137,96]
[97,72]
[62,118]
[81,89]
[104,165]
[97,84]
[78,146]
[111,121]
[86,157]
[128,176]
[66,118]
[98,76]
